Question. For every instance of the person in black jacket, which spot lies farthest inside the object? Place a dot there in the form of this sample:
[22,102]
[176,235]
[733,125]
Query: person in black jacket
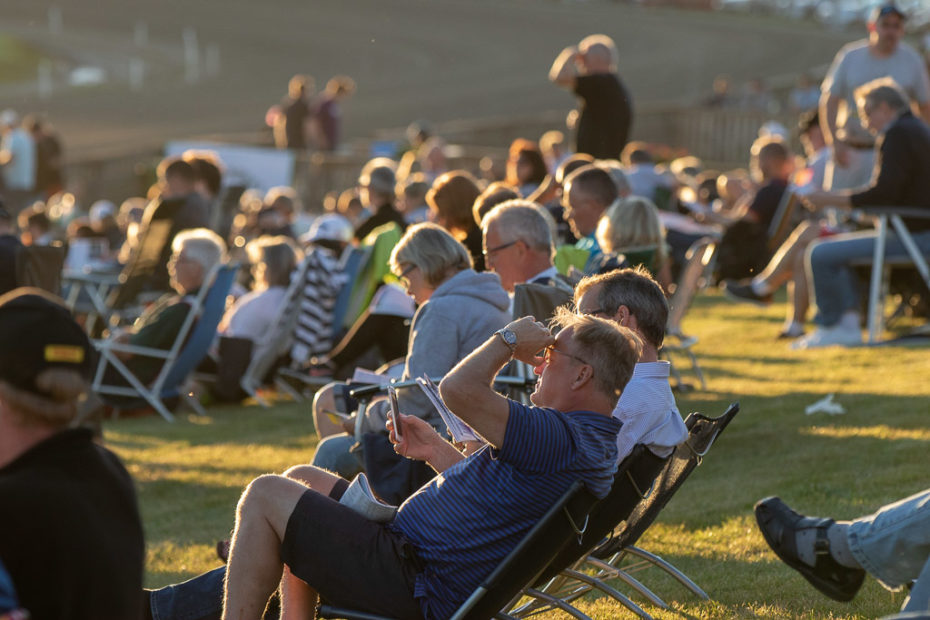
[899,179]
[70,533]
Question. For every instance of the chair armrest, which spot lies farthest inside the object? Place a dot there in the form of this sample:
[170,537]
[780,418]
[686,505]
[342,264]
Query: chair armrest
[910,212]
[120,347]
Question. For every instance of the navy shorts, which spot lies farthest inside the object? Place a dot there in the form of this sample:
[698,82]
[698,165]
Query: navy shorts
[350,561]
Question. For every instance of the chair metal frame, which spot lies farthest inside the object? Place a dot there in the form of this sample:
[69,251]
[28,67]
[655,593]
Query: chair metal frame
[693,278]
[190,347]
[606,559]
[878,283]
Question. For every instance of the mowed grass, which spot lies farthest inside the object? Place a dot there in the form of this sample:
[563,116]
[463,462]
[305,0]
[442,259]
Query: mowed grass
[190,474]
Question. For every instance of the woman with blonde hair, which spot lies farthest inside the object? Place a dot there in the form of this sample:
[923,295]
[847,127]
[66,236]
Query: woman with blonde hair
[632,228]
[70,533]
[458,310]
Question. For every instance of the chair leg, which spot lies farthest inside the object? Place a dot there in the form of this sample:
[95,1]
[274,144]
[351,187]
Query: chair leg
[560,604]
[630,580]
[285,387]
[668,568]
[193,403]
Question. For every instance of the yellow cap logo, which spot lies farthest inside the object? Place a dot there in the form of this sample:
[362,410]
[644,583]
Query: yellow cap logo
[64,353]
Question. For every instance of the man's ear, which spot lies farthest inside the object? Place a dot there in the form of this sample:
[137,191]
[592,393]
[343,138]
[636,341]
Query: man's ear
[585,374]
[622,316]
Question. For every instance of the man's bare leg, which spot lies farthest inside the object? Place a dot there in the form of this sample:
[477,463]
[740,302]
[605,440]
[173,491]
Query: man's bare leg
[254,569]
[298,600]
[782,267]
[798,293]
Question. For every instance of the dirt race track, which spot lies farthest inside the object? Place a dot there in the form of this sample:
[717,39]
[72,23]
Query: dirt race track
[436,59]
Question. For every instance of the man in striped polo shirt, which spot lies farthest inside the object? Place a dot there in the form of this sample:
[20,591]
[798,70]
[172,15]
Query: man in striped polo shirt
[452,532]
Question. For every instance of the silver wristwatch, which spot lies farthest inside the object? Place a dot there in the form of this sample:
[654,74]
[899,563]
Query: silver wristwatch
[509,338]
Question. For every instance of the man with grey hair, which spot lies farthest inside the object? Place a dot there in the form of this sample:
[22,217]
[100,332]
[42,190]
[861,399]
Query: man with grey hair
[376,191]
[882,54]
[195,253]
[900,179]
[605,114]
[518,244]
[633,299]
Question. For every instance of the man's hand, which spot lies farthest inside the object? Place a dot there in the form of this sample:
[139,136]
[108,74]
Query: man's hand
[532,337]
[841,154]
[421,442]
[419,438]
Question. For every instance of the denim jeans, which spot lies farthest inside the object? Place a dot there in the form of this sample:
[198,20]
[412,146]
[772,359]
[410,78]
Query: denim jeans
[199,598]
[333,455]
[893,545]
[833,280]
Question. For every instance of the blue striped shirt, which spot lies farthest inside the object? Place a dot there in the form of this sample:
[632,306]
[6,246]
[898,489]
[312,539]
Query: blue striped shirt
[471,516]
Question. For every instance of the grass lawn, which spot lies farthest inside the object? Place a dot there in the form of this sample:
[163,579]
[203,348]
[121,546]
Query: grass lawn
[189,474]
[19,61]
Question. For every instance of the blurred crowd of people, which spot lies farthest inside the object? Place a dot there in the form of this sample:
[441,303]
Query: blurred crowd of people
[451,249]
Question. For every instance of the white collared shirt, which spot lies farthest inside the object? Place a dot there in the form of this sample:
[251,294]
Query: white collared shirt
[648,412]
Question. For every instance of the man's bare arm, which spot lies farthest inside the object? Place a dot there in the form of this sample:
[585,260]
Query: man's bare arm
[468,389]
[563,71]
[829,110]
[422,443]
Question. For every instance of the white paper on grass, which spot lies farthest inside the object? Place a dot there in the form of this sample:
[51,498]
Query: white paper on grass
[460,431]
[360,498]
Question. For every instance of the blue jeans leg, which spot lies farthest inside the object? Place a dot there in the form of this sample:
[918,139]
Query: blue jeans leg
[333,455]
[199,598]
[834,283]
[893,544]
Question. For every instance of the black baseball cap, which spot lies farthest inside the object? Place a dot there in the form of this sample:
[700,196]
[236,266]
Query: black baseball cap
[37,332]
[886,9]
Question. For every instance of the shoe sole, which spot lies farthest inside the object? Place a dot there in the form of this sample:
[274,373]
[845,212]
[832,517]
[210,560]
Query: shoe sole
[746,300]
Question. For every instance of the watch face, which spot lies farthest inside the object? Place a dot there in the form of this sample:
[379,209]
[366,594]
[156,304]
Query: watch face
[508,336]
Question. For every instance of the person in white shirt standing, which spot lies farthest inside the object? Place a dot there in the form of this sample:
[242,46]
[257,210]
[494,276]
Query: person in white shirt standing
[17,162]
[633,299]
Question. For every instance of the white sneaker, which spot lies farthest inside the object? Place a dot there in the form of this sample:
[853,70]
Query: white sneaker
[828,337]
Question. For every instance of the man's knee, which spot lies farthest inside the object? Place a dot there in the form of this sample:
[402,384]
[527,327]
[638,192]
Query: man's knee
[323,400]
[317,479]
[260,491]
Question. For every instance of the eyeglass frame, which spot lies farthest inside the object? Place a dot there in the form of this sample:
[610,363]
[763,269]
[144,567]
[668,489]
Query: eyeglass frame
[547,355]
[503,246]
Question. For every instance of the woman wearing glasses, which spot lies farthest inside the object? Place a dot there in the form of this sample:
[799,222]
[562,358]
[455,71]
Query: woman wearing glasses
[458,310]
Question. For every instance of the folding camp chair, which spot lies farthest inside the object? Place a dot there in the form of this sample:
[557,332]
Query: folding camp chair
[190,347]
[693,278]
[632,482]
[563,524]
[278,338]
[881,266]
[40,266]
[607,559]
[292,379]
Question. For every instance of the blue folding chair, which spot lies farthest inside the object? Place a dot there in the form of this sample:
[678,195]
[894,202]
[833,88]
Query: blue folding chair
[190,348]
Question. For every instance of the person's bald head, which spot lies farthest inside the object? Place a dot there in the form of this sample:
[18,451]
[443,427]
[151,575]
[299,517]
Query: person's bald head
[598,53]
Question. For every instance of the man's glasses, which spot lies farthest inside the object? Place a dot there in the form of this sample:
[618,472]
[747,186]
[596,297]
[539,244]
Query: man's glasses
[551,349]
[498,248]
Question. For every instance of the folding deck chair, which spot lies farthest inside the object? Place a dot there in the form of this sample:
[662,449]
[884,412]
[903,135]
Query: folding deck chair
[563,524]
[280,335]
[607,557]
[881,266]
[693,278]
[634,478]
[190,347]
